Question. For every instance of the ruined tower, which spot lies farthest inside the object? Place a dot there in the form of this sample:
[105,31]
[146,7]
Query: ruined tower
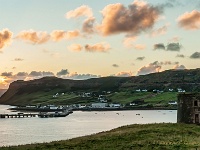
[188,108]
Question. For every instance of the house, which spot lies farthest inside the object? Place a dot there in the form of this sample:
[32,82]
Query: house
[188,108]
[138,90]
[99,105]
[102,99]
[115,105]
[172,103]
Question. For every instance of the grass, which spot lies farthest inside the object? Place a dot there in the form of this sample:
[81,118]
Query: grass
[122,97]
[138,137]
[148,97]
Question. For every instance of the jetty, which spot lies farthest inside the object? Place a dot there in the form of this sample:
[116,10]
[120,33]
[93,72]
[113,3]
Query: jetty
[18,115]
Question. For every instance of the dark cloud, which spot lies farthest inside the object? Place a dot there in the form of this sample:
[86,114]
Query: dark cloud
[22,74]
[180,55]
[173,47]
[63,72]
[195,55]
[115,65]
[171,4]
[6,74]
[159,46]
[138,17]
[47,73]
[140,58]
[35,73]
[77,76]
[169,47]
[88,25]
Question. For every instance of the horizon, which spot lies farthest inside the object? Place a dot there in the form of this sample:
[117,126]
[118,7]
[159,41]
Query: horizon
[84,40]
[98,77]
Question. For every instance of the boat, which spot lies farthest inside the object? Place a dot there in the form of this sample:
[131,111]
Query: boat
[53,114]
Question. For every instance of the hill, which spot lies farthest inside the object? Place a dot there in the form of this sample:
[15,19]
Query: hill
[138,137]
[2,91]
[42,91]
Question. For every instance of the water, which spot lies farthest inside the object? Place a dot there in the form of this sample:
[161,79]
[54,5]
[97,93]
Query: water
[17,131]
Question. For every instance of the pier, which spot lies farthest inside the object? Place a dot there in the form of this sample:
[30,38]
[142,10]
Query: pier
[18,115]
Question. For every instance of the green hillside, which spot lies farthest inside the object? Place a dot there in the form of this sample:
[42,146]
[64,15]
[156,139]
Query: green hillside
[117,89]
[137,137]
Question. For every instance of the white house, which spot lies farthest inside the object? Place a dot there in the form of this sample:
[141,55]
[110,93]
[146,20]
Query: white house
[115,105]
[99,105]
[172,103]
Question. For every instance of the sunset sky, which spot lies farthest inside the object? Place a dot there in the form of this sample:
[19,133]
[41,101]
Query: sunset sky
[84,39]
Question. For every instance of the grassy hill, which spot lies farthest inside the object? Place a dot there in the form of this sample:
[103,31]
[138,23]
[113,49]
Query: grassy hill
[138,137]
[121,89]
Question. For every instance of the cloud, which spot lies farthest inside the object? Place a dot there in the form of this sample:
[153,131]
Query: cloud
[98,47]
[150,68]
[160,31]
[18,59]
[115,65]
[159,46]
[128,41]
[63,72]
[75,47]
[58,35]
[138,17]
[34,37]
[77,76]
[175,39]
[124,74]
[173,47]
[140,58]
[190,20]
[6,74]
[40,74]
[5,38]
[169,47]
[139,47]
[72,34]
[83,10]
[88,25]
[180,55]
[154,67]
[22,74]
[195,55]
[179,67]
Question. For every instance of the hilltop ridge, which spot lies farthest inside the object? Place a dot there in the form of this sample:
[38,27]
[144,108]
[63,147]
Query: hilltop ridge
[32,92]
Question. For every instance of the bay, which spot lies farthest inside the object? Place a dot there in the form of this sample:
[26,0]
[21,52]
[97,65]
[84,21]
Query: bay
[18,131]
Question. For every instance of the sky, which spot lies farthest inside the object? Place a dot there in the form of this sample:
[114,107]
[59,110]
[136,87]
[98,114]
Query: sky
[84,39]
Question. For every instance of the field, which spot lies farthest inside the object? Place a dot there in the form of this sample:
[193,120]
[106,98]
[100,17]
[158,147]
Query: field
[138,137]
[124,98]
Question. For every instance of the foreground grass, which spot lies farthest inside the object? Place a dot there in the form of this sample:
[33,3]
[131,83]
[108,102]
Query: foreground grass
[150,136]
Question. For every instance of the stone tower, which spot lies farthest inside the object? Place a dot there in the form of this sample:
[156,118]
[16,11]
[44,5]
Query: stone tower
[188,108]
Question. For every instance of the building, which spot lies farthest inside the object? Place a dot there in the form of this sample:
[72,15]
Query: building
[188,108]
[99,105]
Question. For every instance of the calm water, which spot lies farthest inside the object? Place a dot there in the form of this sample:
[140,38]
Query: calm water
[16,131]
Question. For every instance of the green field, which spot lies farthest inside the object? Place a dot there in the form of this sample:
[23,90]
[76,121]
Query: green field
[136,137]
[125,98]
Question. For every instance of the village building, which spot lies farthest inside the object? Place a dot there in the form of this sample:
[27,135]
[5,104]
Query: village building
[188,108]
[99,105]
